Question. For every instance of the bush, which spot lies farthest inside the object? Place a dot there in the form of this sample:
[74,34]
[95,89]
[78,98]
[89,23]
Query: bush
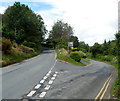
[29,44]
[6,46]
[26,49]
[74,49]
[106,58]
[76,56]
[82,54]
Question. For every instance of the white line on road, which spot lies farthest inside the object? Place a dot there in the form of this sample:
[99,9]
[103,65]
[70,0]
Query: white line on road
[53,65]
[56,72]
[42,81]
[31,93]
[47,87]
[55,75]
[53,78]
[37,86]
[50,82]
[42,94]
[49,71]
[45,77]
[47,74]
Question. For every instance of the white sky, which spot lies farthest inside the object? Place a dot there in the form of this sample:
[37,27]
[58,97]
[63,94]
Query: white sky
[92,20]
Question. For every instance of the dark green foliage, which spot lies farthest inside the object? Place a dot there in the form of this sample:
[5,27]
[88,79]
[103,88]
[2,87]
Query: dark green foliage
[29,44]
[0,24]
[6,46]
[96,49]
[105,48]
[82,54]
[20,23]
[60,30]
[26,49]
[118,56]
[76,56]
[75,41]
[118,48]
[83,47]
[62,44]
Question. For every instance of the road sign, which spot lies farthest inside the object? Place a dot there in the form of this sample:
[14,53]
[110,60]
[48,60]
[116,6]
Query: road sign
[70,44]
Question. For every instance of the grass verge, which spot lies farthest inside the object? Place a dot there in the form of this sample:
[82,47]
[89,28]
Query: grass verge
[87,61]
[115,93]
[67,58]
[14,58]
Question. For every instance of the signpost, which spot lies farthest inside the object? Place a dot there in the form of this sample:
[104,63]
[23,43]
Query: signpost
[70,44]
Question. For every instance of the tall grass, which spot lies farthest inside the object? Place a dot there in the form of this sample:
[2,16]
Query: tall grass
[14,58]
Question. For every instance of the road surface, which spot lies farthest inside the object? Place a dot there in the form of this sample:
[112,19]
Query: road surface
[44,77]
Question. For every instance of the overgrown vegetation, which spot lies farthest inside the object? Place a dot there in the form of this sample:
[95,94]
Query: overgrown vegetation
[75,56]
[12,52]
[22,34]
[109,52]
[64,55]
[117,89]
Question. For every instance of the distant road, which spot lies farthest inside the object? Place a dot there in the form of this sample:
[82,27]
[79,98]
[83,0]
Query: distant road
[45,77]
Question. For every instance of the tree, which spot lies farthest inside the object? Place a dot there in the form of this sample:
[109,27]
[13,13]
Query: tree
[75,41]
[96,49]
[105,48]
[0,24]
[118,51]
[83,47]
[60,30]
[21,24]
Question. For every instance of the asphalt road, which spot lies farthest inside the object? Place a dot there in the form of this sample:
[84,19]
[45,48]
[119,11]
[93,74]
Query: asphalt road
[18,79]
[57,80]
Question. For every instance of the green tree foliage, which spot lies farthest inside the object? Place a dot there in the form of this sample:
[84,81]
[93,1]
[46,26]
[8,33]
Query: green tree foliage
[112,48]
[118,50]
[76,56]
[83,47]
[60,30]
[75,41]
[105,47]
[20,23]
[0,24]
[96,49]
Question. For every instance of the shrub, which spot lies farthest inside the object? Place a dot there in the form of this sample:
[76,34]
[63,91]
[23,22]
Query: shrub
[76,56]
[82,54]
[6,46]
[106,58]
[29,44]
[74,49]
[114,60]
[26,49]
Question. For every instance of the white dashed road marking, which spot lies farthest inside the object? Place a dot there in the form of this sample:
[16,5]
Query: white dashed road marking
[31,93]
[42,81]
[45,77]
[47,74]
[55,75]
[56,72]
[49,71]
[53,78]
[50,82]
[37,86]
[42,94]
[47,87]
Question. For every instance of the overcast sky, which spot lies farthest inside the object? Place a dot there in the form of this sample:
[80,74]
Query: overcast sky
[92,20]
